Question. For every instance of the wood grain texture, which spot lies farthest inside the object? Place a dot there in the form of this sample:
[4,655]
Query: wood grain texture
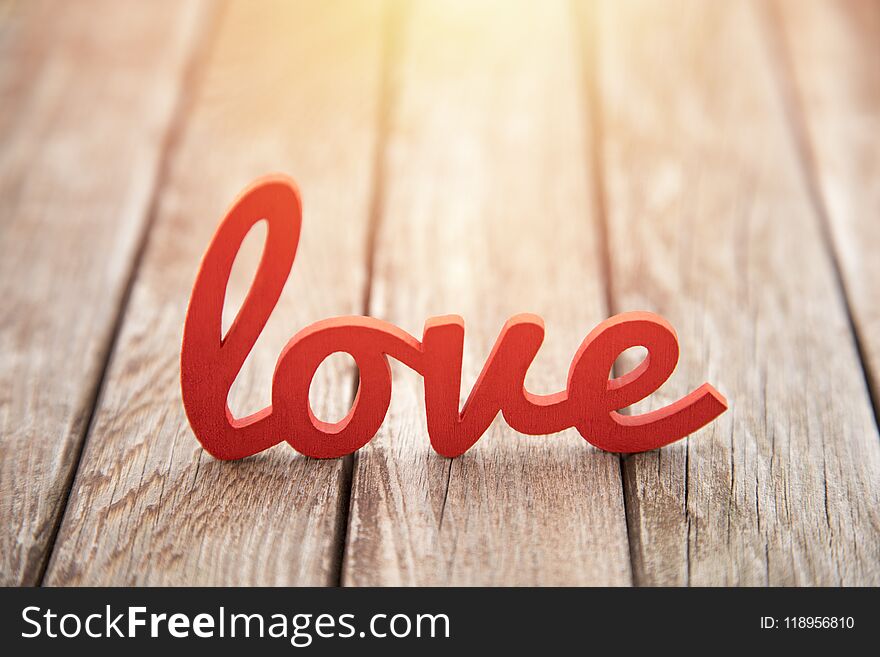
[487,211]
[88,92]
[711,224]
[833,58]
[291,87]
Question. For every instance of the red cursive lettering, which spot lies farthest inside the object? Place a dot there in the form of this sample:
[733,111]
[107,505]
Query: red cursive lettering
[210,362]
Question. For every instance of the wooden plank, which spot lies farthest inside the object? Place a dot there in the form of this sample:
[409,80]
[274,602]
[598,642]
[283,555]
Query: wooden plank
[291,87]
[710,223]
[88,93]
[833,57]
[487,211]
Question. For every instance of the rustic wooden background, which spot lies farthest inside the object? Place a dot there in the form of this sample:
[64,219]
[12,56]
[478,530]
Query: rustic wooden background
[717,162]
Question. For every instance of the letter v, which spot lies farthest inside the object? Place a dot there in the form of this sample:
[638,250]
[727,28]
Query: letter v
[453,433]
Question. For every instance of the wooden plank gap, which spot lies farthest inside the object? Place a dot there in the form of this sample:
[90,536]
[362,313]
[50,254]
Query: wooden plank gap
[587,37]
[779,56]
[189,83]
[393,25]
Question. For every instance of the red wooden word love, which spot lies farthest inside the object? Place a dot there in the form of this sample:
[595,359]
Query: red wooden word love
[210,362]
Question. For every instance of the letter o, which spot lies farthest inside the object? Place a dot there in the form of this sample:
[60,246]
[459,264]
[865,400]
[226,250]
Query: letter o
[394,620]
[77,624]
[295,370]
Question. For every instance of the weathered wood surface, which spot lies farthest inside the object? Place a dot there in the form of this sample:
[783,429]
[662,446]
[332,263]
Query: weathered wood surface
[487,211]
[85,107]
[291,87]
[715,162]
[832,52]
[711,224]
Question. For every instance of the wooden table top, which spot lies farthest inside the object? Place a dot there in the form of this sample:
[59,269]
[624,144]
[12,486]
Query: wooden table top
[716,162]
